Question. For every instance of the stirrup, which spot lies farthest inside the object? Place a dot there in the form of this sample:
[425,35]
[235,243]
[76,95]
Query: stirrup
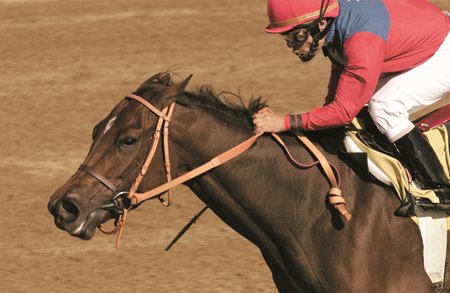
[417,205]
[427,204]
[406,210]
[409,208]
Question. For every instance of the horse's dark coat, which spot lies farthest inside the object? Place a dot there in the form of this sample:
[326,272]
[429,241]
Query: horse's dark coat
[278,207]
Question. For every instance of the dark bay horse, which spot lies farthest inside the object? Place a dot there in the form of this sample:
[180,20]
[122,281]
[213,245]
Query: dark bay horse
[260,194]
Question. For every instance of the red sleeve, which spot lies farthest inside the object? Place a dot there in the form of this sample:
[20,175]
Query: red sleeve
[336,71]
[364,52]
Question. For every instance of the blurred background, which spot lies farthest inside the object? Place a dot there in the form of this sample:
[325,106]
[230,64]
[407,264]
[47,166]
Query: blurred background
[64,66]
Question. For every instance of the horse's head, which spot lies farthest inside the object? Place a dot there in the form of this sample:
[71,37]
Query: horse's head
[121,141]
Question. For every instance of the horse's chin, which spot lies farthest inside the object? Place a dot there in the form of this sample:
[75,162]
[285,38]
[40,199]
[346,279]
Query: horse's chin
[88,228]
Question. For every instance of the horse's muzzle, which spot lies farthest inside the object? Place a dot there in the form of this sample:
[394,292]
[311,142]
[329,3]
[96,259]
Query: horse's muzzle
[65,210]
[68,216]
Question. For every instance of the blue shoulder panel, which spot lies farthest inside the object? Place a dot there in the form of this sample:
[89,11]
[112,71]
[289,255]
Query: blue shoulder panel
[362,16]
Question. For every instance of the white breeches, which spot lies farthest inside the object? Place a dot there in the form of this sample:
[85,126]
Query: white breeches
[409,92]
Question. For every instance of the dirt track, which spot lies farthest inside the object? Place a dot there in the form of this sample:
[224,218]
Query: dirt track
[65,64]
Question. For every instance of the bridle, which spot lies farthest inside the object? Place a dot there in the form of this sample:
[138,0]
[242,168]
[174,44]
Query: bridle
[123,201]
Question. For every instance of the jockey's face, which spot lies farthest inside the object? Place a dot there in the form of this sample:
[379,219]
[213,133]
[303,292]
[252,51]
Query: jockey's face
[300,40]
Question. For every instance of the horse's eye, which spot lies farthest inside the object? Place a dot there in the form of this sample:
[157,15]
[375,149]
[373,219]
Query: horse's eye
[129,141]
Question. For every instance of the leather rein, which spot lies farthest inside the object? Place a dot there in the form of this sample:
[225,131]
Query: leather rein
[124,201]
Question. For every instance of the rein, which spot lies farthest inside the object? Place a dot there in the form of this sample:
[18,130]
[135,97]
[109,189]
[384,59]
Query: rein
[334,195]
[120,205]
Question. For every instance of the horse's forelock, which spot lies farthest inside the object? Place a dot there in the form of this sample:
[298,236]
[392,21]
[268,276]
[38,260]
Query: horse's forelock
[158,82]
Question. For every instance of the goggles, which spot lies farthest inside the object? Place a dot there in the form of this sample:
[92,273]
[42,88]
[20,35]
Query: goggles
[296,37]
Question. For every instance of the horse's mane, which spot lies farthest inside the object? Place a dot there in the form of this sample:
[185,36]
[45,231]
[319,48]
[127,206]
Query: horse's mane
[226,103]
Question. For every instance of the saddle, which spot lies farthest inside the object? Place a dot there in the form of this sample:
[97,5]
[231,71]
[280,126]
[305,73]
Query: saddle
[367,149]
[361,146]
[369,134]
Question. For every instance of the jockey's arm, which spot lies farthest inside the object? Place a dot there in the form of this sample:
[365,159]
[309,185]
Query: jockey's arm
[336,70]
[356,85]
[353,89]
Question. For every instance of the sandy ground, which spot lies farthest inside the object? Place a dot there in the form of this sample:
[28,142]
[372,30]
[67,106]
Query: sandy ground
[64,65]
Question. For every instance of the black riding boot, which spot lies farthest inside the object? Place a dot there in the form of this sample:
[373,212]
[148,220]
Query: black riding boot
[423,163]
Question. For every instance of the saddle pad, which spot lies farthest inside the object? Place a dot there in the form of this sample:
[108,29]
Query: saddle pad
[433,228]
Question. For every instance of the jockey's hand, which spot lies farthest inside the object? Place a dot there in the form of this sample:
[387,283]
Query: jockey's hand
[265,121]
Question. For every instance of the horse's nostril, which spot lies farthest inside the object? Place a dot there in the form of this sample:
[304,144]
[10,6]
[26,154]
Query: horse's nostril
[68,211]
[69,207]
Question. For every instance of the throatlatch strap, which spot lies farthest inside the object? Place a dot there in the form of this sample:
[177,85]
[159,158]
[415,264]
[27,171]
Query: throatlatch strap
[167,158]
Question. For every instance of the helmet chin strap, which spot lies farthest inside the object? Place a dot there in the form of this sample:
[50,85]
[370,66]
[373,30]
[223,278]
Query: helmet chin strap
[317,35]
[311,53]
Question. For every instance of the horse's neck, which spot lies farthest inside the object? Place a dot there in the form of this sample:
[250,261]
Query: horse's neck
[261,181]
[202,136]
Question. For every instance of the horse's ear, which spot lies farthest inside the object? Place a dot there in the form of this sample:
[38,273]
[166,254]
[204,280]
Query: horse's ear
[171,91]
[184,83]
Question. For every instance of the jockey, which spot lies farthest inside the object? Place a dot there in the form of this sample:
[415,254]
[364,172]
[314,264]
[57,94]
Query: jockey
[408,42]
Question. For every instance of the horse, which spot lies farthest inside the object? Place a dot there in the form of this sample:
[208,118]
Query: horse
[276,205]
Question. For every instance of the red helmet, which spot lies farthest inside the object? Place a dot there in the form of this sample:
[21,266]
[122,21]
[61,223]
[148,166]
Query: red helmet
[287,14]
